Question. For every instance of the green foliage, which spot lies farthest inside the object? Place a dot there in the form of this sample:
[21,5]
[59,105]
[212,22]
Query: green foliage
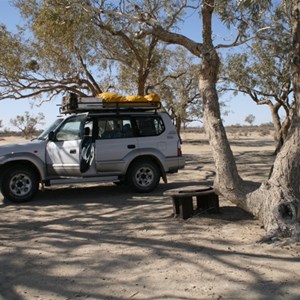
[264,68]
[58,55]
[11,54]
[63,33]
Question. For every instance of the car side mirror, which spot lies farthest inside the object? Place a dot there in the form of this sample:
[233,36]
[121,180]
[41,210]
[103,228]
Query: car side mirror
[51,136]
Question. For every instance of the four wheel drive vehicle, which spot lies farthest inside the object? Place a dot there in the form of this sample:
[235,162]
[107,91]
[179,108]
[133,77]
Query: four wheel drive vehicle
[94,142]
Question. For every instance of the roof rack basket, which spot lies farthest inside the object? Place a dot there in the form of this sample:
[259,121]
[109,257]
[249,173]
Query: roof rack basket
[72,103]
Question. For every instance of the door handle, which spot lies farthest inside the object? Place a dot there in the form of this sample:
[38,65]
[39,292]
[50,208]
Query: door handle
[73,151]
[131,146]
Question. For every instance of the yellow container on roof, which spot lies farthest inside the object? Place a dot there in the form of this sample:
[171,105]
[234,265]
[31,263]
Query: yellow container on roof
[113,97]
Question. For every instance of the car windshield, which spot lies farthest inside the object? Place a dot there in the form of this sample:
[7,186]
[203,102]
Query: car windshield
[44,134]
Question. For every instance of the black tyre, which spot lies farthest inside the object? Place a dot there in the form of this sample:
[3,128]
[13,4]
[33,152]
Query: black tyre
[19,184]
[143,176]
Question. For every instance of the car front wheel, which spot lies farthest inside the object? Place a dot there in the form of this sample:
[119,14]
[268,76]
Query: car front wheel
[143,176]
[19,184]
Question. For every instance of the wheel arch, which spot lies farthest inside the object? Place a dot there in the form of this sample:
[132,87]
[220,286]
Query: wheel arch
[22,162]
[151,158]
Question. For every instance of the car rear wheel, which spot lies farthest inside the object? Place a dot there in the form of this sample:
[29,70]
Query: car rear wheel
[143,176]
[19,184]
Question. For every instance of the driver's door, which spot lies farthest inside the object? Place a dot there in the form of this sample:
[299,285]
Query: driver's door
[63,152]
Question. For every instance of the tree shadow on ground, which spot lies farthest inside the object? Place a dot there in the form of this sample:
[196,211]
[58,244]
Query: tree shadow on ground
[105,242]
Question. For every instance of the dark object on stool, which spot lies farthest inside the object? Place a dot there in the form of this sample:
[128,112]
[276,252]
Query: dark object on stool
[182,199]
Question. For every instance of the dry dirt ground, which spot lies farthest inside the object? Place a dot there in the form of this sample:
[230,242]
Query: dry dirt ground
[105,242]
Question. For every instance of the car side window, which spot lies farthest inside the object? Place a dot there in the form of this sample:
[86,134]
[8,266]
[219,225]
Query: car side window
[114,128]
[70,130]
[150,125]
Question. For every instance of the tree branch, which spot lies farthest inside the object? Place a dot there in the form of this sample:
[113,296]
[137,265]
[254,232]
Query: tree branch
[93,85]
[153,28]
[237,42]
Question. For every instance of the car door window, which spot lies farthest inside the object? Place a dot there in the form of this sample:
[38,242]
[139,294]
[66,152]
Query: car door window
[71,130]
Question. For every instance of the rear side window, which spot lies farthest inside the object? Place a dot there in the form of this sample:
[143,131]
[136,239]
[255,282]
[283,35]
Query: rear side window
[114,128]
[150,125]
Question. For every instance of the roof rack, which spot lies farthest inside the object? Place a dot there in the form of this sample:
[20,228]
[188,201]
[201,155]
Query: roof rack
[72,103]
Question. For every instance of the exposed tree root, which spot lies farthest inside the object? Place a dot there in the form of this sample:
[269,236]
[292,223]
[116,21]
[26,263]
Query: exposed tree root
[269,238]
[280,238]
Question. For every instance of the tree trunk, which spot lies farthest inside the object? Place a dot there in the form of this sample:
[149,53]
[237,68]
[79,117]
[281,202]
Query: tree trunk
[178,122]
[278,135]
[227,177]
[281,129]
[276,202]
[141,81]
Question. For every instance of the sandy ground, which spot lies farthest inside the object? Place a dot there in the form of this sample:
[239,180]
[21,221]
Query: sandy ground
[104,242]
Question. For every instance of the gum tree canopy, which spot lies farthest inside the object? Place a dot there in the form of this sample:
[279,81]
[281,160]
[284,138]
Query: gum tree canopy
[276,201]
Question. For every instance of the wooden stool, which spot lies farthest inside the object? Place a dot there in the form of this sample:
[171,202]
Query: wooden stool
[182,199]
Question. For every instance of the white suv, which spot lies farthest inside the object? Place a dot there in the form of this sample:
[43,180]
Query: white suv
[134,145]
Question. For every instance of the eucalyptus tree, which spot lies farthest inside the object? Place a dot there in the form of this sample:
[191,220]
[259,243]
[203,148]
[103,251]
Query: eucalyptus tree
[276,201]
[263,71]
